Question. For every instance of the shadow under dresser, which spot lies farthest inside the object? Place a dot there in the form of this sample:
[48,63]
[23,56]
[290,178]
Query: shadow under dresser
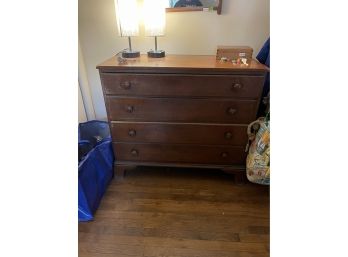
[181,111]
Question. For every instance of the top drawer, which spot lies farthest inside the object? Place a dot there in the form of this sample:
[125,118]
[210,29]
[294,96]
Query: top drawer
[182,85]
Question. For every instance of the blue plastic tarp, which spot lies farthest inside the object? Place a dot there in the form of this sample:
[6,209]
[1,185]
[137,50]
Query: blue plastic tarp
[95,171]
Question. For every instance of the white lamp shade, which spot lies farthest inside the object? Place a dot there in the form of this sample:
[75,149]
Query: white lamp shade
[155,17]
[127,17]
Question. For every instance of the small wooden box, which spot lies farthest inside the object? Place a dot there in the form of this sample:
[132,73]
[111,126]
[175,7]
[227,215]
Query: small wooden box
[235,54]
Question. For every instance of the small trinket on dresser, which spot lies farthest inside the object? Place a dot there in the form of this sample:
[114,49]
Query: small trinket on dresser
[223,59]
[121,60]
[244,61]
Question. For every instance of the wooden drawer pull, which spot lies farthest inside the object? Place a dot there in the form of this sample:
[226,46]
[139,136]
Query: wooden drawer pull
[132,133]
[134,152]
[231,111]
[125,85]
[224,154]
[129,108]
[237,86]
[228,135]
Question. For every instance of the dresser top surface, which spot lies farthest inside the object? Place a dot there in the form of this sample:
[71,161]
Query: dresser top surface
[179,62]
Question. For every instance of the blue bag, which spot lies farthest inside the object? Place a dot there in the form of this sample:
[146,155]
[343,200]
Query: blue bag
[95,167]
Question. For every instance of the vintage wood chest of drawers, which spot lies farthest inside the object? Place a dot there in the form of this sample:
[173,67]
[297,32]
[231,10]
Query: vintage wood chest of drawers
[181,110]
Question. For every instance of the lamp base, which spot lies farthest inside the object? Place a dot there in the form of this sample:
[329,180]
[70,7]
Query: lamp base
[156,54]
[130,54]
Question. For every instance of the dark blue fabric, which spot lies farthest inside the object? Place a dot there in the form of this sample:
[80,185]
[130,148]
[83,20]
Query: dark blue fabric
[93,131]
[264,57]
[95,173]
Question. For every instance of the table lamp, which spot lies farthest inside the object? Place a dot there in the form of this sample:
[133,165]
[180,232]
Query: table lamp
[128,24]
[155,22]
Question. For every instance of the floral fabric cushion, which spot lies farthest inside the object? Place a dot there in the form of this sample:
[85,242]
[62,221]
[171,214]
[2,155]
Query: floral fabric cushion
[258,160]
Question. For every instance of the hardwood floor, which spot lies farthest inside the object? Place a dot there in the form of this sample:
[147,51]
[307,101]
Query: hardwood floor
[163,212]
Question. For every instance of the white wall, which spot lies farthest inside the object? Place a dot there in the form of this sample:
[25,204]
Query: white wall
[82,110]
[85,88]
[242,22]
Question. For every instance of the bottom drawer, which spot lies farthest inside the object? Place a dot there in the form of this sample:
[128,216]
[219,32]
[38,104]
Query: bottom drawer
[173,153]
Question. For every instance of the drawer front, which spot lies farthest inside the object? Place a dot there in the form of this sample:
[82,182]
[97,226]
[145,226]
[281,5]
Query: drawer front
[182,85]
[179,153]
[176,133]
[181,110]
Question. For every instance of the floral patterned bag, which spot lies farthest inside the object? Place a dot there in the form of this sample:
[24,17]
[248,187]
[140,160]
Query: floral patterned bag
[258,160]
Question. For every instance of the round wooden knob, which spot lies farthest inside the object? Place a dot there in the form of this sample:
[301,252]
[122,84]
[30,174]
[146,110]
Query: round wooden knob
[228,135]
[132,132]
[224,154]
[134,152]
[237,86]
[129,108]
[231,111]
[125,85]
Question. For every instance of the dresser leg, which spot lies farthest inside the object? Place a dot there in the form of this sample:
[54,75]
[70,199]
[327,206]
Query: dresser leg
[120,170]
[239,178]
[239,175]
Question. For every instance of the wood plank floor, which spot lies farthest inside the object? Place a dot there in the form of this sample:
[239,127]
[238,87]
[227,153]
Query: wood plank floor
[161,212]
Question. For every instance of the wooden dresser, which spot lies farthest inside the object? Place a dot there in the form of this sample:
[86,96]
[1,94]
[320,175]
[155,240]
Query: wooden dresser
[181,110]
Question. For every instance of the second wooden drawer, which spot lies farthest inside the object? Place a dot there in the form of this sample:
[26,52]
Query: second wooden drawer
[181,110]
[179,133]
